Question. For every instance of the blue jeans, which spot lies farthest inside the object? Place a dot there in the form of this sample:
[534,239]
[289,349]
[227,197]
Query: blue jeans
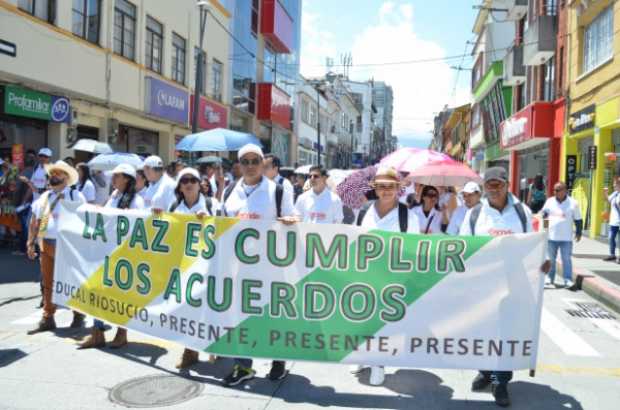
[613,233]
[566,251]
[497,377]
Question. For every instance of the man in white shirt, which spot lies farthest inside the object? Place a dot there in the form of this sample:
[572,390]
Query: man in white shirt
[160,193]
[562,211]
[38,180]
[272,171]
[614,218]
[500,213]
[44,228]
[471,196]
[254,196]
[319,205]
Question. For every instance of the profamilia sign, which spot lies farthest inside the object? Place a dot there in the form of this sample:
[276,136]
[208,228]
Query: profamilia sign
[33,104]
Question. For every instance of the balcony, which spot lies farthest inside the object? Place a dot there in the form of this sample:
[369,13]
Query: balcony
[540,41]
[274,105]
[277,27]
[514,70]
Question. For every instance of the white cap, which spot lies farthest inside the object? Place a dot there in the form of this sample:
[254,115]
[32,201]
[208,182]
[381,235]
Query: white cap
[153,162]
[45,151]
[250,149]
[471,187]
[125,169]
[188,171]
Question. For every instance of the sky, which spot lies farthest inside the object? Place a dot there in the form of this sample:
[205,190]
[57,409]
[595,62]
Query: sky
[388,31]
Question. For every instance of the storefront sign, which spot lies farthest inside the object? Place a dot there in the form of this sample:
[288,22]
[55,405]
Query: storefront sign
[528,127]
[513,131]
[210,115]
[166,101]
[27,103]
[582,120]
[592,157]
[274,105]
[571,171]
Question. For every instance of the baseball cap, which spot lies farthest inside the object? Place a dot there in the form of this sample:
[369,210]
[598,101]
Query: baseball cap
[125,169]
[45,152]
[471,187]
[188,171]
[496,173]
[153,162]
[250,149]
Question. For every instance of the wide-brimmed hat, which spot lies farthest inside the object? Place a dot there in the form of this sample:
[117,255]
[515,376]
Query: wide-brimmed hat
[386,175]
[62,166]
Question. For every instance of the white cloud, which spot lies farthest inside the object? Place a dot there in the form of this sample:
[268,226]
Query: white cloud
[317,44]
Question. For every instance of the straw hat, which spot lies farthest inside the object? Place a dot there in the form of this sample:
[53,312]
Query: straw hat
[386,175]
[62,166]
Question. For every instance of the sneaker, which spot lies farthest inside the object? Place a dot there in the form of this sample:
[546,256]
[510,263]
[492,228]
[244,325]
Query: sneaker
[549,281]
[568,283]
[500,393]
[480,382]
[377,375]
[278,371]
[609,258]
[238,375]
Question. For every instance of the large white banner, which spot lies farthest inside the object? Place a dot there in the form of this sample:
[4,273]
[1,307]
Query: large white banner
[333,293]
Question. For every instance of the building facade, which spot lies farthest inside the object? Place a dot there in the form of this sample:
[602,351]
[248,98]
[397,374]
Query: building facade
[118,71]
[383,100]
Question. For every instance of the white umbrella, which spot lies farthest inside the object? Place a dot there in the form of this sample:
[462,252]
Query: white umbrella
[94,146]
[107,162]
[305,169]
[336,176]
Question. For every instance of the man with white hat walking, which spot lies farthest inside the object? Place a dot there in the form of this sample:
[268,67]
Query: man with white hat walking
[160,193]
[471,196]
[44,228]
[38,181]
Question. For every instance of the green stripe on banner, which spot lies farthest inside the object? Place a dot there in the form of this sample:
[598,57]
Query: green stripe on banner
[340,335]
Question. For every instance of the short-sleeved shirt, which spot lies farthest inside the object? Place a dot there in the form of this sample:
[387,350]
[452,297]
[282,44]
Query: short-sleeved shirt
[41,206]
[432,221]
[161,193]
[39,180]
[136,203]
[614,214]
[256,202]
[495,223]
[456,220]
[324,208]
[89,191]
[561,216]
[390,221]
[200,206]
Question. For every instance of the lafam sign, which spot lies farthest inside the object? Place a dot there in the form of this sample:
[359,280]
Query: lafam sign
[166,101]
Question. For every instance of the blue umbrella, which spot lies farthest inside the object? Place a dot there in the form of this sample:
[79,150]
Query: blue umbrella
[219,139]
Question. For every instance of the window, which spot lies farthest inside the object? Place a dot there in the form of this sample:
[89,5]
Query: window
[476,74]
[475,117]
[216,80]
[178,58]
[86,17]
[305,111]
[43,9]
[125,29]
[203,70]
[254,17]
[154,44]
[312,116]
[598,40]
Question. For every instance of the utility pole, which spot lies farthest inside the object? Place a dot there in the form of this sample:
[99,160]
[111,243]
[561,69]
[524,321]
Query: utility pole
[318,124]
[204,7]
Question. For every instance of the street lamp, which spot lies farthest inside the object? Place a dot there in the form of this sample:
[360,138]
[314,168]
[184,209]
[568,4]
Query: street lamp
[204,7]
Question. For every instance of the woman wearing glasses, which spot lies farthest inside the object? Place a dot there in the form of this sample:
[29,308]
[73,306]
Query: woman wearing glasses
[431,218]
[124,197]
[190,201]
[388,214]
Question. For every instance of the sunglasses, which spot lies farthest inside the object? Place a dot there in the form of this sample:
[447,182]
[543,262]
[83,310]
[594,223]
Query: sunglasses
[314,176]
[248,162]
[185,181]
[385,187]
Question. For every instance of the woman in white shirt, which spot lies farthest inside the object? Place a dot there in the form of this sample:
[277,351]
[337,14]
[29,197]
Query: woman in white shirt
[190,201]
[142,184]
[431,219]
[388,214]
[123,197]
[85,184]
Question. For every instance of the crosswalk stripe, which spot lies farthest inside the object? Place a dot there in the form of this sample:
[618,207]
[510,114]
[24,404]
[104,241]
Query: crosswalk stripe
[609,326]
[567,340]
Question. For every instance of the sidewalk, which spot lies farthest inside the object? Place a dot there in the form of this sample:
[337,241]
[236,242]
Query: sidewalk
[598,278]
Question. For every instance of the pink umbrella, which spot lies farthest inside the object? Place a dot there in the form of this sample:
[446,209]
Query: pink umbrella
[444,173]
[409,159]
[352,191]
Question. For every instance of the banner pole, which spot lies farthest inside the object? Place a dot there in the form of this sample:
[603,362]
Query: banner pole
[541,288]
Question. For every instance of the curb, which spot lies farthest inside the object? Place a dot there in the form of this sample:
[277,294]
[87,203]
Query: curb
[599,288]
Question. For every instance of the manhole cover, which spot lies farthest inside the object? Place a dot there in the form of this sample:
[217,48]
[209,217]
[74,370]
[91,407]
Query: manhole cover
[155,391]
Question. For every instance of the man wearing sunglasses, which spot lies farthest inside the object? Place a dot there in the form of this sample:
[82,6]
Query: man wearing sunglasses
[319,205]
[500,213]
[562,211]
[255,196]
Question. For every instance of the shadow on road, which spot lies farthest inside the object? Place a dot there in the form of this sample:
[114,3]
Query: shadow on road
[16,269]
[8,356]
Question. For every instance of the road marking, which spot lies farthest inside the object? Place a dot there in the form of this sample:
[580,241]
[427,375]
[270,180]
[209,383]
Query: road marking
[31,319]
[583,371]
[567,340]
[609,326]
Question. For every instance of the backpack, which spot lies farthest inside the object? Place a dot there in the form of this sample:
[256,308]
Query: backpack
[475,213]
[403,215]
[208,202]
[279,195]
[538,195]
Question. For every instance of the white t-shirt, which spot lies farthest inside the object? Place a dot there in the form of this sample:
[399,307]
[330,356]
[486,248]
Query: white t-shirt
[495,223]
[102,192]
[142,192]
[456,220]
[258,202]
[561,216]
[201,205]
[324,208]
[286,184]
[39,180]
[614,202]
[89,191]
[161,193]
[136,203]
[39,207]
[390,221]
[433,220]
